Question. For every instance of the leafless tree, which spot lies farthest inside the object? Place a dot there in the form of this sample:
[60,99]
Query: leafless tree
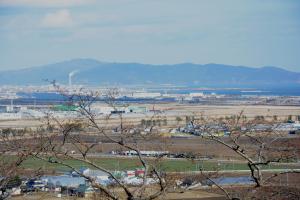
[56,147]
[257,146]
[14,150]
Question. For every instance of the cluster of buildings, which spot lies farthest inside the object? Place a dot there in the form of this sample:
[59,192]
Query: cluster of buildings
[77,186]
[145,153]
[220,130]
[10,112]
[163,93]
[74,184]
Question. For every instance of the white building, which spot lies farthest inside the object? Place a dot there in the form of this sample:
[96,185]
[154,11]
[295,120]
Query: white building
[197,94]
[6,116]
[145,95]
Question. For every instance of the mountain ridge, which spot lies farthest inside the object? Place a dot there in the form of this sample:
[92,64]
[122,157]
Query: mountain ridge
[94,72]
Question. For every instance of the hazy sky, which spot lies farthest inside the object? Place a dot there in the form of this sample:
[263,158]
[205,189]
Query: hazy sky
[238,32]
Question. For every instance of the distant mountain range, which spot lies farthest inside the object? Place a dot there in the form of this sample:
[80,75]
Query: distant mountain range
[93,72]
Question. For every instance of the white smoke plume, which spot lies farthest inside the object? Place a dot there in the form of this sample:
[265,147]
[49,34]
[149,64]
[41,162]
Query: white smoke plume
[71,74]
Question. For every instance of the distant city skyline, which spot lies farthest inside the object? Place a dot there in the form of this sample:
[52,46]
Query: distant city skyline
[251,33]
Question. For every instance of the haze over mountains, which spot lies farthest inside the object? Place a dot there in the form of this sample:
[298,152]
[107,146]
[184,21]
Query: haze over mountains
[93,72]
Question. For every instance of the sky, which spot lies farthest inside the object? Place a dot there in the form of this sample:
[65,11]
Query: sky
[237,32]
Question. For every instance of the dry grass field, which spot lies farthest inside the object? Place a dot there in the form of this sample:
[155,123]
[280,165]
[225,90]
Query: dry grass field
[171,110]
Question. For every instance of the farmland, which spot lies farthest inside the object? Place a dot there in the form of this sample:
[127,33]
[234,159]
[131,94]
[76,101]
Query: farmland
[168,165]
